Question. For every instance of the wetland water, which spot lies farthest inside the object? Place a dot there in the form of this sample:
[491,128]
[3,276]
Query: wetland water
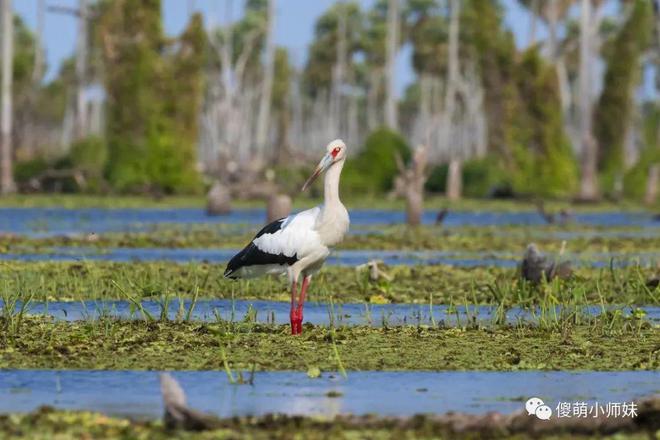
[315,312]
[341,258]
[42,222]
[137,394]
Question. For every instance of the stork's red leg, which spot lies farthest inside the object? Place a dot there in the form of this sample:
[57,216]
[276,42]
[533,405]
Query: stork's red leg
[301,301]
[293,314]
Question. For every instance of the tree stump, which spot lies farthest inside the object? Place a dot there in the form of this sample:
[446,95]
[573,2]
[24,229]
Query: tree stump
[455,180]
[413,178]
[279,206]
[218,200]
[652,183]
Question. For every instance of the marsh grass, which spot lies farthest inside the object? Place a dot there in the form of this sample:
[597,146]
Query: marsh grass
[63,281]
[15,304]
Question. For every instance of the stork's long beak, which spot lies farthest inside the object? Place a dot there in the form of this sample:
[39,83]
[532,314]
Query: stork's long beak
[320,168]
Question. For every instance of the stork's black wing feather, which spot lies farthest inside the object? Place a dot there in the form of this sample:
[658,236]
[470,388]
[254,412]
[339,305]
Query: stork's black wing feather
[251,255]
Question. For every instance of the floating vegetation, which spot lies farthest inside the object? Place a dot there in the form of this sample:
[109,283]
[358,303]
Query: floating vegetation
[580,239]
[606,342]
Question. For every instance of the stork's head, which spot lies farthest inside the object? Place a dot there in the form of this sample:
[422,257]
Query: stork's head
[336,152]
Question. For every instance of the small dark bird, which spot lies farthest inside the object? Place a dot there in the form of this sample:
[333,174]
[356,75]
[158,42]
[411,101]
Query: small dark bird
[441,216]
[565,216]
[547,216]
[551,218]
[535,266]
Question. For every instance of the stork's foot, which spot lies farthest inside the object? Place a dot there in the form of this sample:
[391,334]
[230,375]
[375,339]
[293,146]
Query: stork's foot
[296,322]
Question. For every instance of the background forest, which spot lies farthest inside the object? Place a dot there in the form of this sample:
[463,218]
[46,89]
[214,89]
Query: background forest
[137,111]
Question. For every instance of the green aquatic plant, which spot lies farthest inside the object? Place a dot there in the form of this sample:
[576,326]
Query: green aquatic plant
[335,350]
[15,304]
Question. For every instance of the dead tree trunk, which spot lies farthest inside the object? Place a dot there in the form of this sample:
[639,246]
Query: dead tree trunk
[81,71]
[534,11]
[455,180]
[558,59]
[454,175]
[263,120]
[413,178]
[38,69]
[589,147]
[338,75]
[6,170]
[652,184]
[372,99]
[391,117]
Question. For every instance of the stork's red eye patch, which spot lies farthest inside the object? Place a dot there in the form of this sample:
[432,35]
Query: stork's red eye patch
[336,151]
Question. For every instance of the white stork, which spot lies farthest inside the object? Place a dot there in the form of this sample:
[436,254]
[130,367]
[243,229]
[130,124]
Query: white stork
[300,243]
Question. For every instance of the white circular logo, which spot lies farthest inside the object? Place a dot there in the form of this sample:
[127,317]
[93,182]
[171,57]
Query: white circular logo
[536,407]
[532,404]
[543,412]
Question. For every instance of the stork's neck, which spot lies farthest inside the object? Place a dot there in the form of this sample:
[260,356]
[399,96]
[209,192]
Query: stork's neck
[331,185]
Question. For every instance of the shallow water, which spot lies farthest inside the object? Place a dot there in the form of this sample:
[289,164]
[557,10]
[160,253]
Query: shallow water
[315,312]
[60,221]
[341,258]
[137,393]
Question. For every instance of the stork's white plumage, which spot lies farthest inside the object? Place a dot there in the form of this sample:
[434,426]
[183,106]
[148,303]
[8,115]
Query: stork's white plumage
[299,244]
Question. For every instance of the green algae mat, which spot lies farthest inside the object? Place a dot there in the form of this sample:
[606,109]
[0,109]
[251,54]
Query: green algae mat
[139,345]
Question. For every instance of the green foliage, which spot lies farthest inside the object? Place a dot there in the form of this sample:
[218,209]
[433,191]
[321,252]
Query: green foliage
[428,33]
[373,170]
[437,180]
[634,183]
[548,168]
[89,155]
[526,139]
[613,112]
[283,73]
[24,50]
[486,41]
[153,100]
[482,177]
[182,104]
[26,170]
[323,51]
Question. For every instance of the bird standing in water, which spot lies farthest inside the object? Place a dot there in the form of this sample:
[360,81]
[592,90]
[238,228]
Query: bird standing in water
[299,244]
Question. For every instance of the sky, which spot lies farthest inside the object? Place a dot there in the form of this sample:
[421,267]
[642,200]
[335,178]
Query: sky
[294,28]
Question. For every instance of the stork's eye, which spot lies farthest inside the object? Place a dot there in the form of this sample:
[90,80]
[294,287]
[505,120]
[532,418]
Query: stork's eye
[336,151]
